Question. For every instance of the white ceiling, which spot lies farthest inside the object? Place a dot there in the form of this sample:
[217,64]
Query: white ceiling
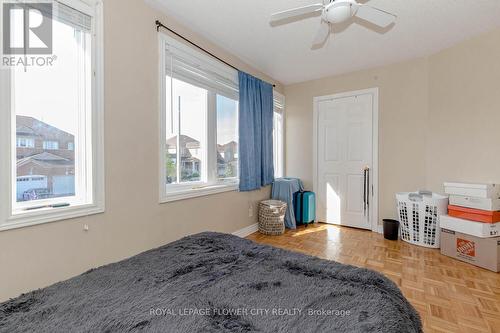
[284,52]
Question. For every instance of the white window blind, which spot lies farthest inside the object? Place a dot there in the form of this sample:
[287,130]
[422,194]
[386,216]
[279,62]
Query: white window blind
[201,71]
[72,17]
[279,103]
[66,14]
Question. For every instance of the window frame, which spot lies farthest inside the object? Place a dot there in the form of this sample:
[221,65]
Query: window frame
[26,141]
[279,99]
[204,168]
[229,180]
[50,144]
[212,184]
[9,218]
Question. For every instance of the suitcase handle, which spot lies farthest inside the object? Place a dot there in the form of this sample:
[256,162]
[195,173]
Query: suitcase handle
[302,207]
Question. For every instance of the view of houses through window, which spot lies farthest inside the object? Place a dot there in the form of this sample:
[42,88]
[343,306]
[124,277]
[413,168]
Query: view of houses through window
[186,129]
[43,170]
[227,137]
[49,107]
[188,111]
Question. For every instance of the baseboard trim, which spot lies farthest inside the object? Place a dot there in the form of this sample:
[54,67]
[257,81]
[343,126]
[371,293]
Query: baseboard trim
[247,230]
[255,227]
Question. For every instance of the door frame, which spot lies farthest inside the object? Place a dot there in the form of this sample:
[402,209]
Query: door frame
[374,174]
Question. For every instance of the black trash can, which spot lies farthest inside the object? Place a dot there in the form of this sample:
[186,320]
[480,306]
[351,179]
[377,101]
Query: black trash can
[391,229]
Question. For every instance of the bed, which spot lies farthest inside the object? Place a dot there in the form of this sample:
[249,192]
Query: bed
[213,282]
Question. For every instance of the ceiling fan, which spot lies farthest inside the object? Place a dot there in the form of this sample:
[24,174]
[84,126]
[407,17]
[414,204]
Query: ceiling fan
[337,11]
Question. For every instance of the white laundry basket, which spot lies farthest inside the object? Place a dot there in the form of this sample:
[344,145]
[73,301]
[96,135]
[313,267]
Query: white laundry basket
[419,214]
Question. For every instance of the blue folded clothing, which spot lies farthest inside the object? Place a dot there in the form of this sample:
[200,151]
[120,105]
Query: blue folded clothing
[283,189]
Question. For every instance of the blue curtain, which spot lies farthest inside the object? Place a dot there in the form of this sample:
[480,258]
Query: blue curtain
[255,133]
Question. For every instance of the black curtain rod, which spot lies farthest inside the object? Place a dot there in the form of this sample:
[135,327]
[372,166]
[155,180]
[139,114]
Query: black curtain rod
[161,25]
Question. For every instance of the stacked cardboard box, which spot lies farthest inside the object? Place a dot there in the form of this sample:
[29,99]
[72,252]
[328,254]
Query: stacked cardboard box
[471,230]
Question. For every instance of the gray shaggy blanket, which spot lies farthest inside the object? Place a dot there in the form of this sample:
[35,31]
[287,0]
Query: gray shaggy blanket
[213,282]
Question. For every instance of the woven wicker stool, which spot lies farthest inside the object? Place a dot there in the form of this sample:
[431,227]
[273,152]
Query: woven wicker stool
[272,217]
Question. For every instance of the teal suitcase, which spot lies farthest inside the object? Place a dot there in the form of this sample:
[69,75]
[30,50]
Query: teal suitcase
[304,204]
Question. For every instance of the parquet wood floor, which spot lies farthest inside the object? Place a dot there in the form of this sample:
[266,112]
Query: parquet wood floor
[451,296]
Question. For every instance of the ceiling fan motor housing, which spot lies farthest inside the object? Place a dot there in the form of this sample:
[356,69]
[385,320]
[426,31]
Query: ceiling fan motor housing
[340,11]
[335,12]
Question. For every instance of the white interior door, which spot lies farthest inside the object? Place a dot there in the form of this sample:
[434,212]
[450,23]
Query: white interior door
[344,150]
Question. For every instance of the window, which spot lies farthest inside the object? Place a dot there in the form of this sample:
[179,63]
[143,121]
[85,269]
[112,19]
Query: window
[25,142]
[199,123]
[50,145]
[187,130]
[278,135]
[59,101]
[227,138]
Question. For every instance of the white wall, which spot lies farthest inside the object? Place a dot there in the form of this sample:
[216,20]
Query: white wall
[464,113]
[439,119]
[38,256]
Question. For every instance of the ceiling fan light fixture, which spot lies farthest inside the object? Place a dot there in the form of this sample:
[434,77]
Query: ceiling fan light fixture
[339,14]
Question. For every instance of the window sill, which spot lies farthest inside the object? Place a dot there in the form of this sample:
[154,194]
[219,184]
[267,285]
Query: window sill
[21,220]
[198,192]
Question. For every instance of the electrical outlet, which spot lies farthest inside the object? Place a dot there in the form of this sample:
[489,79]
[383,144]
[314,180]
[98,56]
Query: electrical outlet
[85,227]
[250,211]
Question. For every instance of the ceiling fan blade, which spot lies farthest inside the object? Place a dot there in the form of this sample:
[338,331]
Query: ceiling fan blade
[322,34]
[296,12]
[375,16]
